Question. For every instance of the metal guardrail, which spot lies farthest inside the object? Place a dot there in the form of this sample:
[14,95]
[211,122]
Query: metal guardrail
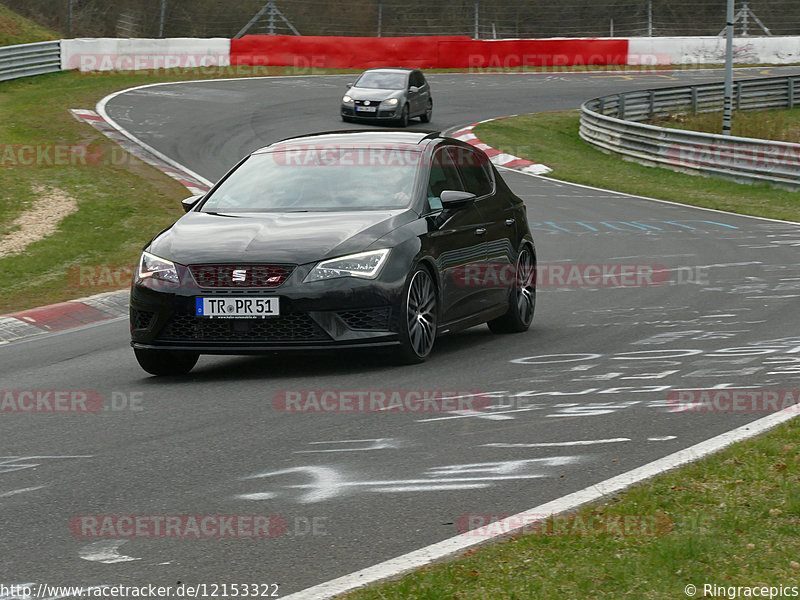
[29,59]
[614,123]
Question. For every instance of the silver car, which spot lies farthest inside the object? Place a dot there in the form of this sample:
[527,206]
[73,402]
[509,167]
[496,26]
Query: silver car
[394,95]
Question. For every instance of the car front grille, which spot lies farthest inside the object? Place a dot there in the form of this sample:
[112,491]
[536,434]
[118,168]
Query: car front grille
[367,319]
[240,276]
[297,327]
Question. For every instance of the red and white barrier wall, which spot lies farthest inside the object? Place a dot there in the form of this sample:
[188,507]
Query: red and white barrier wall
[121,54]
[112,54]
[778,50]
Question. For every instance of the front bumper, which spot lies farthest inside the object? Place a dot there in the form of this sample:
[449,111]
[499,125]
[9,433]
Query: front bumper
[349,111]
[345,312]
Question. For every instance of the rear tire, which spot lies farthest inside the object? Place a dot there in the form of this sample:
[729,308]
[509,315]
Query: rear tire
[166,362]
[523,297]
[418,314]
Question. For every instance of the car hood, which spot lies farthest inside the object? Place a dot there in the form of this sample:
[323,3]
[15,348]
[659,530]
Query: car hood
[289,238]
[373,94]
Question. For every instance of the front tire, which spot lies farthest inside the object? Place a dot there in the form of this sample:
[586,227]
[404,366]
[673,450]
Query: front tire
[523,297]
[426,116]
[166,362]
[403,120]
[418,314]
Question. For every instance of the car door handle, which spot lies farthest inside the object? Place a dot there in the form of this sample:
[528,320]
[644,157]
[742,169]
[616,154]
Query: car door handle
[480,231]
[510,222]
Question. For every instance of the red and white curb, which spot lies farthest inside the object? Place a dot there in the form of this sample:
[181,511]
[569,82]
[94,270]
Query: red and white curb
[182,176]
[500,159]
[64,315]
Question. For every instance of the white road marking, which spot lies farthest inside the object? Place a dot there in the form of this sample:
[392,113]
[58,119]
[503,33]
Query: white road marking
[21,491]
[374,444]
[106,552]
[663,438]
[558,444]
[453,546]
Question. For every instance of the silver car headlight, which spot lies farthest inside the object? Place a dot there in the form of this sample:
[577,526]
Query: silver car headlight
[391,101]
[347,100]
[365,265]
[155,267]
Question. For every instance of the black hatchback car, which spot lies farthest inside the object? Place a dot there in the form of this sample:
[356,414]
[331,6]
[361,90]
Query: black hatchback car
[393,95]
[337,240]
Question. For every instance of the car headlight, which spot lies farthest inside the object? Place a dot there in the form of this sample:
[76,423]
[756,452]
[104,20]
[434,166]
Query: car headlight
[390,101]
[152,266]
[366,265]
[347,100]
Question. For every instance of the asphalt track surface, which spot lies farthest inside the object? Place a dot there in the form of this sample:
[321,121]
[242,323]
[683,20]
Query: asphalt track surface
[358,488]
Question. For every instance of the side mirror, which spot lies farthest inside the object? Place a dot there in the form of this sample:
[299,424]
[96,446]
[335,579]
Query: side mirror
[349,85]
[413,89]
[455,199]
[190,203]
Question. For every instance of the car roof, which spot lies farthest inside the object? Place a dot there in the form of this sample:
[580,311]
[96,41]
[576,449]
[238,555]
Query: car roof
[389,69]
[358,137]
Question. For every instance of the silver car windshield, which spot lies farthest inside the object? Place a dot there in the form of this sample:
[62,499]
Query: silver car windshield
[382,80]
[319,179]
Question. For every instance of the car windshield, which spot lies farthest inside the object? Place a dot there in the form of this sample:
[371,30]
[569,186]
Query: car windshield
[383,80]
[319,179]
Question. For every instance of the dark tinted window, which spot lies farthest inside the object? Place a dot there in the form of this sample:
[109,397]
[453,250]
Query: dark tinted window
[417,79]
[308,178]
[474,169]
[444,176]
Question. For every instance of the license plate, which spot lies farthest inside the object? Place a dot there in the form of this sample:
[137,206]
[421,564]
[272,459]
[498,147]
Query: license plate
[366,108]
[237,307]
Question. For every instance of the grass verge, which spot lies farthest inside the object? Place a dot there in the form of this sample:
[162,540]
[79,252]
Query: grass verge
[121,200]
[780,125]
[729,520]
[16,29]
[552,139]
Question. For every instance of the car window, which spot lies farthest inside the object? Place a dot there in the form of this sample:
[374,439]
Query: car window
[444,176]
[474,169]
[417,79]
[319,179]
[383,80]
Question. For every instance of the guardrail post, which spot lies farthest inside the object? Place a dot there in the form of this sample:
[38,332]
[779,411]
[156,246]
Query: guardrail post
[738,95]
[694,100]
[790,93]
[601,106]
[621,107]
[652,104]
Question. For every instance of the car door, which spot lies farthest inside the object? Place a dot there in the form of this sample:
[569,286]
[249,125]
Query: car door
[425,91]
[499,216]
[457,241]
[417,98]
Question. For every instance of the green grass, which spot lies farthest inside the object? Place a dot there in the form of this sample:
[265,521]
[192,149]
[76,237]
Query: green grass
[780,125]
[120,205]
[731,519]
[552,139]
[15,29]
